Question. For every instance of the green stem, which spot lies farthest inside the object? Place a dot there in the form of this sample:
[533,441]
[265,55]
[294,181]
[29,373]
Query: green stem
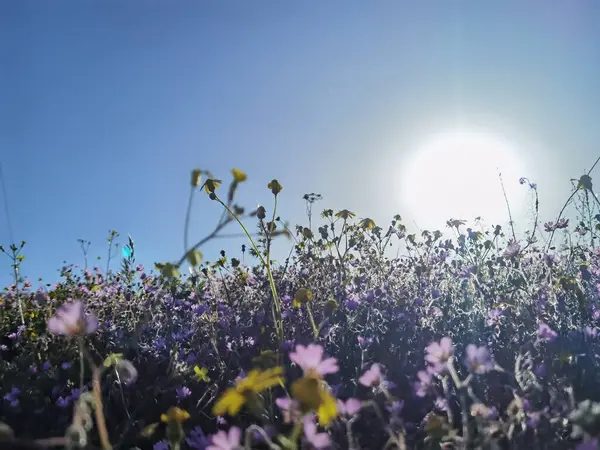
[312,321]
[296,432]
[187,220]
[278,318]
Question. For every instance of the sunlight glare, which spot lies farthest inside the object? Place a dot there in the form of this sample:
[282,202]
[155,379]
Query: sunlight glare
[455,175]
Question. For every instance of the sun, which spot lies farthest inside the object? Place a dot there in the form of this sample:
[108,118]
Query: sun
[456,175]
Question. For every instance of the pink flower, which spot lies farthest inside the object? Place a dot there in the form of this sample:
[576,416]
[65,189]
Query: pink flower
[349,407]
[438,354]
[371,377]
[70,320]
[226,441]
[317,440]
[310,359]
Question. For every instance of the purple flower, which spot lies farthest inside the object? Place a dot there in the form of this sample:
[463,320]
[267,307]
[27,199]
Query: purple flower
[425,384]
[63,402]
[438,354]
[75,393]
[70,320]
[197,439]
[199,309]
[13,397]
[351,304]
[221,420]
[226,441]
[479,360]
[371,377]
[545,333]
[66,365]
[512,249]
[161,445]
[317,440]
[310,359]
[183,392]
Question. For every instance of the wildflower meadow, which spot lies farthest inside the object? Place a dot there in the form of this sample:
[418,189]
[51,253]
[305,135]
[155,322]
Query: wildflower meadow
[484,340]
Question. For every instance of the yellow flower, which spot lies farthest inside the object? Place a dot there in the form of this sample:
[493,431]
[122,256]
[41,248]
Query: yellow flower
[175,415]
[201,374]
[196,177]
[211,184]
[312,396]
[327,409]
[245,390]
[345,214]
[367,224]
[238,175]
[302,296]
[275,187]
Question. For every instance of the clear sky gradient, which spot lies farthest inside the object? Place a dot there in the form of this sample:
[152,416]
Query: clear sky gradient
[106,106]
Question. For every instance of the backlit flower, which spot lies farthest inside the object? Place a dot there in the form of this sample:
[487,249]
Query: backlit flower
[245,389]
[310,359]
[316,439]
[479,360]
[438,354]
[70,320]
[349,407]
[371,377]
[226,440]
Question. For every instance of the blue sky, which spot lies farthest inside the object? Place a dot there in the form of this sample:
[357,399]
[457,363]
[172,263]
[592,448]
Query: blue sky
[106,106]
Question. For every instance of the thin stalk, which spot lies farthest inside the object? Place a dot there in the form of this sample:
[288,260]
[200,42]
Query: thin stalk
[100,422]
[278,318]
[187,219]
[512,227]
[312,321]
